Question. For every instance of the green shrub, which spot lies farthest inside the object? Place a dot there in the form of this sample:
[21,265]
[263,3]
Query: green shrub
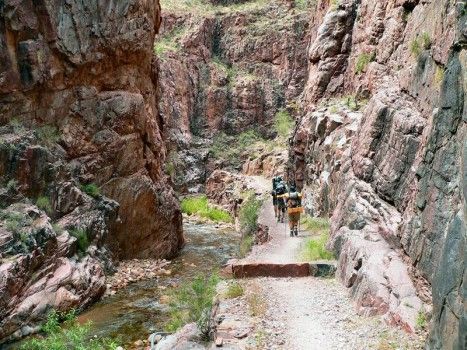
[16,125]
[14,221]
[72,336]
[249,214]
[43,203]
[169,41]
[246,243]
[426,40]
[283,123]
[234,290]
[315,249]
[48,134]
[420,43]
[57,228]
[231,147]
[81,239]
[192,302]
[363,60]
[315,224]
[415,48]
[421,320]
[199,206]
[91,190]
[12,185]
[301,4]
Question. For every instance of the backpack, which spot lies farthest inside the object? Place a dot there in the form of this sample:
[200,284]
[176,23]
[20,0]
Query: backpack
[280,188]
[294,200]
[276,181]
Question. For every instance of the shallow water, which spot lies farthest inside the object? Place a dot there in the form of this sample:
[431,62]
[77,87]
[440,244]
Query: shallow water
[134,312]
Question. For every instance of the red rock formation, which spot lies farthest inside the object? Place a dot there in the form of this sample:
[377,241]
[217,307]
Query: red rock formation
[86,68]
[226,70]
[391,174]
[78,105]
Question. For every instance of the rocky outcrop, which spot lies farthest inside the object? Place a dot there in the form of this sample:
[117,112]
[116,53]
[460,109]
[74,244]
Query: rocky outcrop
[82,139]
[86,70]
[227,70]
[386,159]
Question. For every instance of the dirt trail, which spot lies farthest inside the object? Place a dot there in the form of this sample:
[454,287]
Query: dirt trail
[310,313]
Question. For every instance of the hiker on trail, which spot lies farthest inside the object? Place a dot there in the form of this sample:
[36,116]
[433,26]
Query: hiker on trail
[275,181]
[281,190]
[294,208]
[235,209]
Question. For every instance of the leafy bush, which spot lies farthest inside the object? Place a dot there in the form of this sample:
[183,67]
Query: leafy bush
[73,336]
[48,134]
[283,123]
[91,190]
[43,203]
[315,249]
[234,290]
[192,302]
[249,214]
[363,60]
[81,239]
[199,206]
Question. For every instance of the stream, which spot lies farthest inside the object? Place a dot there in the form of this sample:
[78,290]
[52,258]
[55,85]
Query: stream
[135,311]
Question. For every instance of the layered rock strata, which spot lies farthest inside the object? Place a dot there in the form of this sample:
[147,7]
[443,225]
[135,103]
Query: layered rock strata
[78,101]
[226,70]
[387,160]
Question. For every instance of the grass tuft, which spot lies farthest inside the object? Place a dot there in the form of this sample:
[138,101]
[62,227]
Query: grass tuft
[234,290]
[199,206]
[315,224]
[48,135]
[246,244]
[43,203]
[363,60]
[81,239]
[315,249]
[70,336]
[91,190]
[421,320]
[257,304]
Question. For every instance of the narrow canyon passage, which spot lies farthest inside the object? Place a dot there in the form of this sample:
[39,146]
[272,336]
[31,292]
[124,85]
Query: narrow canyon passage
[138,140]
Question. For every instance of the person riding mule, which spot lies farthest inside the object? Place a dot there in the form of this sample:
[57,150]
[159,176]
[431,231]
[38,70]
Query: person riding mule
[294,208]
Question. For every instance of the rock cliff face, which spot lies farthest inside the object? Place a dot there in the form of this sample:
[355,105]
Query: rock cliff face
[225,70]
[386,158]
[78,101]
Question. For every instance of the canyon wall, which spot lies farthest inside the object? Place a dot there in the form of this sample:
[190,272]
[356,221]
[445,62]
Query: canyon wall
[226,71]
[81,153]
[381,147]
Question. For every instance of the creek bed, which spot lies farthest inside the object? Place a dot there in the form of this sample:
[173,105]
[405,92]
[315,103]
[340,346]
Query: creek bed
[135,311]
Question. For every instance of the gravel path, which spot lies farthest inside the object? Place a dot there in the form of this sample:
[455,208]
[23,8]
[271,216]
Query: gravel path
[310,313]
